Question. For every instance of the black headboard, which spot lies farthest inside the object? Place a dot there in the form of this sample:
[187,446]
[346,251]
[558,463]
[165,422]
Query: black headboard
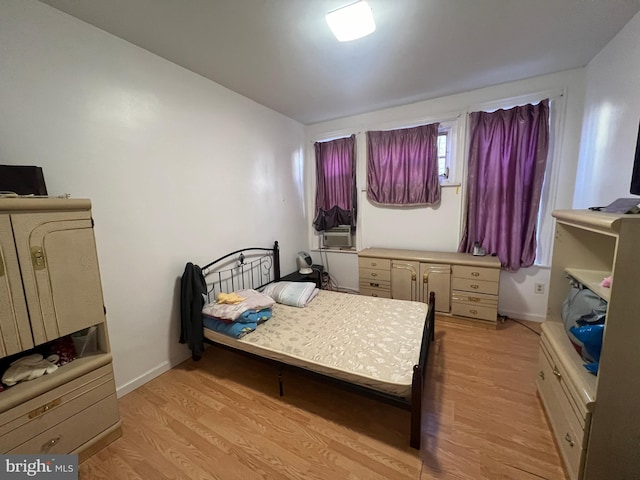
[251,267]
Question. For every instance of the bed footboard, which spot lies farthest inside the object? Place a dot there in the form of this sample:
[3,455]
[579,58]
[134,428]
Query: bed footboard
[419,372]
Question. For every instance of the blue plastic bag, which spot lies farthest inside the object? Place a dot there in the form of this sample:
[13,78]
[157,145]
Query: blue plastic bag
[589,339]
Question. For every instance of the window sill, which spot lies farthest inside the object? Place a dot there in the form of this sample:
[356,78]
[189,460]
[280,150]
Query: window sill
[351,250]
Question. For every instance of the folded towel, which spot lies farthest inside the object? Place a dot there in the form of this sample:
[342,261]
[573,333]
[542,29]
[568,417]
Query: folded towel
[230,298]
[235,329]
[253,300]
[249,316]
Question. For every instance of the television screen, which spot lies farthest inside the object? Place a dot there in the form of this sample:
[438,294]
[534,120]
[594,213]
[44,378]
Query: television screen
[635,175]
[22,179]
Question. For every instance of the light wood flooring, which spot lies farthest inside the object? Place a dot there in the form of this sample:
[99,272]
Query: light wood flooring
[222,418]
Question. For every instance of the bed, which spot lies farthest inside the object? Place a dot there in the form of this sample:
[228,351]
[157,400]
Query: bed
[375,346]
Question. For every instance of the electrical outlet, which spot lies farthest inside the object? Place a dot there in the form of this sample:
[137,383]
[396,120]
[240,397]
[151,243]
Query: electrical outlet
[538,288]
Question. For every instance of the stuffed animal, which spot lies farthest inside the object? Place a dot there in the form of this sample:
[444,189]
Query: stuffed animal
[28,368]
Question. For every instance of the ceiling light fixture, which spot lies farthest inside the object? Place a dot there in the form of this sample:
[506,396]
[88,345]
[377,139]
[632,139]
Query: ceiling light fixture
[351,21]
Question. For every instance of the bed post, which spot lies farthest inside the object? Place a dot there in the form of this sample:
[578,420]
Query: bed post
[276,261]
[419,371]
[416,406]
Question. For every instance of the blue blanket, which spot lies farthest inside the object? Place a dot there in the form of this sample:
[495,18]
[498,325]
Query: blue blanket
[246,323]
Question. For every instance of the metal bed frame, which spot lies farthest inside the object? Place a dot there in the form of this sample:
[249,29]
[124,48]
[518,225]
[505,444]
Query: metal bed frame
[254,267]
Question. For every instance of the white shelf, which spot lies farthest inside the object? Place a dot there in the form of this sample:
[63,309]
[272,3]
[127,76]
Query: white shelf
[592,279]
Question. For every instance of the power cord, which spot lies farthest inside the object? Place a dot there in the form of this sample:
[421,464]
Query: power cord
[504,318]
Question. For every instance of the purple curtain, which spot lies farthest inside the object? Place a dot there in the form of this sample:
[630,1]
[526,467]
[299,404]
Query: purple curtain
[402,166]
[507,159]
[335,183]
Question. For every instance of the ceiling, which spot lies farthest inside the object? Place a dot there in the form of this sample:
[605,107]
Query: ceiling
[281,53]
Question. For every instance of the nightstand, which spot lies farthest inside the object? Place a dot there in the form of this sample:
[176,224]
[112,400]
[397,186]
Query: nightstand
[315,276]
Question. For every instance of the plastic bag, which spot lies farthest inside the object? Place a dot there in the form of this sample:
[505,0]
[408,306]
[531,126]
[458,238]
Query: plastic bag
[584,314]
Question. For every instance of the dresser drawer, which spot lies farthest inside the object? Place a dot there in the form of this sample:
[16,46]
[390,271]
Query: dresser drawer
[29,419]
[568,429]
[374,263]
[475,299]
[367,274]
[375,292]
[474,311]
[75,431]
[375,285]
[476,286]
[476,273]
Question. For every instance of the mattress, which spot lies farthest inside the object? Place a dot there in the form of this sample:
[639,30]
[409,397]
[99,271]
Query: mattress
[369,341]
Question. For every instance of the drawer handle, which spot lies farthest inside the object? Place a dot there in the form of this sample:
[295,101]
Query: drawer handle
[374,294]
[474,312]
[569,440]
[556,372]
[371,284]
[474,299]
[45,408]
[47,445]
[475,287]
[373,264]
[373,274]
[475,274]
[541,374]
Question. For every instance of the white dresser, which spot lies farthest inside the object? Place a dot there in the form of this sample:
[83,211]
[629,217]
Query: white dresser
[465,285]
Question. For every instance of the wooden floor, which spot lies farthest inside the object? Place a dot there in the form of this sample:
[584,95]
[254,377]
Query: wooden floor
[222,418]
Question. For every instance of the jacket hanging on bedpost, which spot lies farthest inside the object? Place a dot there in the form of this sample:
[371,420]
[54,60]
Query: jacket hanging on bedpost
[193,289]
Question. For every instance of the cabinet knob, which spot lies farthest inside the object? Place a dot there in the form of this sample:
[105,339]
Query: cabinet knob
[474,312]
[371,284]
[46,446]
[475,287]
[541,374]
[37,258]
[475,274]
[373,264]
[569,440]
[556,372]
[374,274]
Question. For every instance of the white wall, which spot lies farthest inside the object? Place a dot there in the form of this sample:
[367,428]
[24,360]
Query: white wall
[439,228]
[612,114]
[178,168]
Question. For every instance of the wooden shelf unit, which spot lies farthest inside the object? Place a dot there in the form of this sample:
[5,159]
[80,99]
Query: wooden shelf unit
[594,418]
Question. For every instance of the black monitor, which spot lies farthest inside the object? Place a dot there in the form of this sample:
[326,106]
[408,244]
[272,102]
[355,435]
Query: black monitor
[635,175]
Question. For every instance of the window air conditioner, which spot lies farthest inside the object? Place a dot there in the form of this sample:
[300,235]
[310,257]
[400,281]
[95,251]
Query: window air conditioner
[337,237]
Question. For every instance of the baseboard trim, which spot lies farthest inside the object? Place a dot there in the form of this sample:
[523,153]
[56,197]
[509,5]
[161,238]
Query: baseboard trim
[523,316]
[149,375]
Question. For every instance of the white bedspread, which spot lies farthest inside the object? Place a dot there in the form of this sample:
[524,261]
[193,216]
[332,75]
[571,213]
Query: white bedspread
[370,341]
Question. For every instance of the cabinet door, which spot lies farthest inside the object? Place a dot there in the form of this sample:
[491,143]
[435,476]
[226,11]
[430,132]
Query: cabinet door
[61,278]
[15,331]
[404,280]
[436,278]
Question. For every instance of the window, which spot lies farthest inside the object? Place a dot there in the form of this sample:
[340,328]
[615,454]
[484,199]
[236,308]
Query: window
[444,152]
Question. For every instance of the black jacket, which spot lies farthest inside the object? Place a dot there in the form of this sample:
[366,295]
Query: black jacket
[193,290]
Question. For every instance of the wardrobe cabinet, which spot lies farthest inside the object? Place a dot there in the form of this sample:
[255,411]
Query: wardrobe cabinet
[50,287]
[464,285]
[594,419]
